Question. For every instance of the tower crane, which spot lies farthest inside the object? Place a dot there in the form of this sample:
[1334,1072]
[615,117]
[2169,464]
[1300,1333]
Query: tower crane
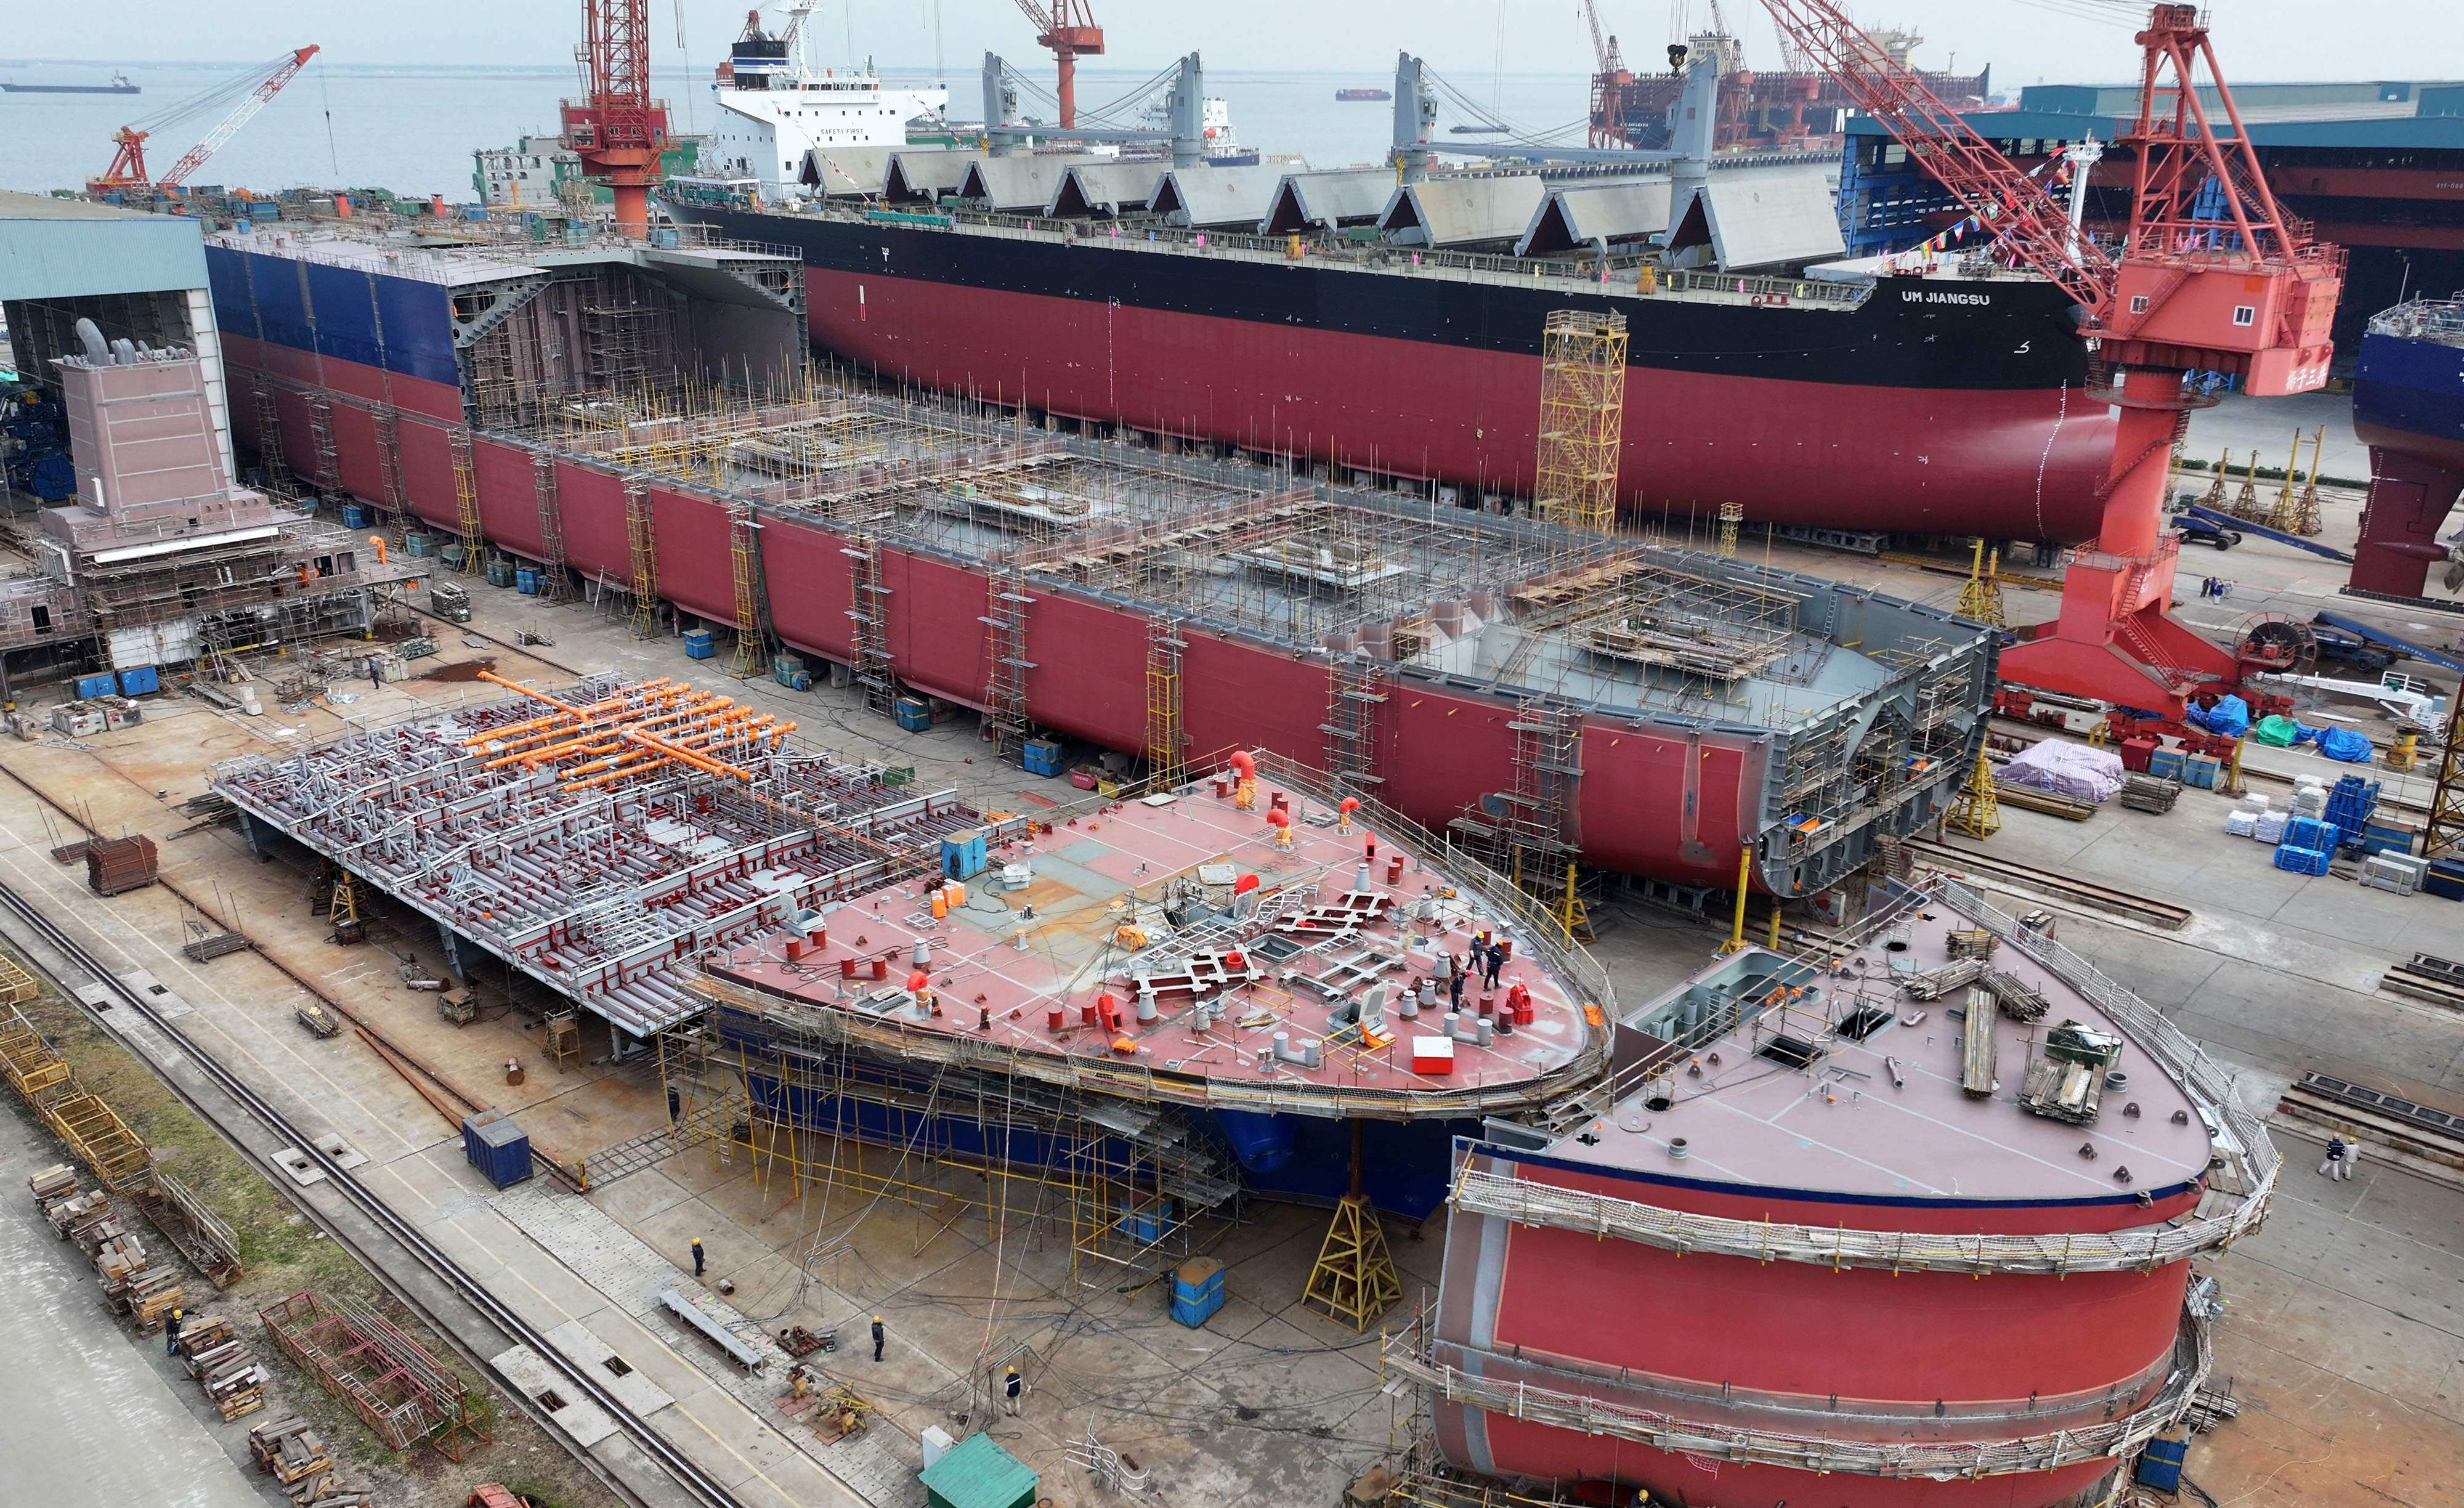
[1068,28]
[2210,275]
[616,129]
[249,94]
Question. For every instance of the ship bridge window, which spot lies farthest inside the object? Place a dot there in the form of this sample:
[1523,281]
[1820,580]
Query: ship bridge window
[2245,316]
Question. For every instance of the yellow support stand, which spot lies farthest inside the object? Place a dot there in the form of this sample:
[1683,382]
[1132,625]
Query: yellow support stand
[1355,1280]
[1736,938]
[2306,521]
[1573,918]
[1980,600]
[1977,812]
[2214,500]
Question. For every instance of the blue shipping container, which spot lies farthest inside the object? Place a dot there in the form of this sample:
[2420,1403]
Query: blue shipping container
[1041,756]
[964,856]
[699,645]
[97,685]
[914,714]
[140,681]
[498,1148]
[2165,764]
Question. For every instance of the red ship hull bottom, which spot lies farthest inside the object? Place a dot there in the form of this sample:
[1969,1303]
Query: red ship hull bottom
[2411,494]
[2008,464]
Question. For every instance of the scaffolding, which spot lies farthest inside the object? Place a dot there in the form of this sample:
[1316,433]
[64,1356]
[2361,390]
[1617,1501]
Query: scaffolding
[1582,413]
[389,431]
[1732,516]
[643,553]
[402,1394]
[328,476]
[1353,695]
[1164,739]
[269,438]
[1005,662]
[466,504]
[870,612]
[1536,823]
[1130,1183]
[2445,829]
[752,614]
[556,584]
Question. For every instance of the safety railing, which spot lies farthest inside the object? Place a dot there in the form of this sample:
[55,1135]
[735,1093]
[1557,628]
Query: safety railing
[1563,1403]
[2438,319]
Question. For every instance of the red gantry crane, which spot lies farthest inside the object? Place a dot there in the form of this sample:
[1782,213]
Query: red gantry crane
[617,129]
[250,91]
[2210,275]
[1607,82]
[1069,31]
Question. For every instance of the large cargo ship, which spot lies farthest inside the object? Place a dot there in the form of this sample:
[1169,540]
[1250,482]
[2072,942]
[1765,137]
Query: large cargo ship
[118,85]
[1909,1220]
[2409,408]
[1397,333]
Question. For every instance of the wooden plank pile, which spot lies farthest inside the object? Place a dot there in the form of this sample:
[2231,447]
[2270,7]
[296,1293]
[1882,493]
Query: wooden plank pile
[289,1450]
[132,1282]
[223,1364]
[2148,792]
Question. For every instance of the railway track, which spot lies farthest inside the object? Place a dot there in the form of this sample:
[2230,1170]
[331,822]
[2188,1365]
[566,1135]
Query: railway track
[701,1485]
[2162,914]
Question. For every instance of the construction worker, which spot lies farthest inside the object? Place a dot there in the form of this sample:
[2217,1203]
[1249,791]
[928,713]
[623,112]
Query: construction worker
[171,1332]
[1492,960]
[697,1256]
[878,1336]
[2339,1165]
[1012,1384]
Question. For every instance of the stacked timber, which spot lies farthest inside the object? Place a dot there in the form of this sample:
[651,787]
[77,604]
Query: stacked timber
[2148,792]
[74,1216]
[114,864]
[289,1450]
[132,1283]
[223,1364]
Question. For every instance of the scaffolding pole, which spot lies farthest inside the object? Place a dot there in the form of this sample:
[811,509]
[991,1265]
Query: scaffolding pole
[752,618]
[320,432]
[1165,742]
[1352,699]
[388,423]
[466,503]
[1005,661]
[1582,414]
[269,438]
[870,614]
[642,548]
[555,585]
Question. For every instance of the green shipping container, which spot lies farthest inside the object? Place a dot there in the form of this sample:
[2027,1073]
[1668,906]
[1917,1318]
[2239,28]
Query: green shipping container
[977,1473]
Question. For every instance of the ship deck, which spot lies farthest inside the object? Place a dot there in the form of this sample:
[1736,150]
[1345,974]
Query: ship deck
[1320,941]
[1886,1117]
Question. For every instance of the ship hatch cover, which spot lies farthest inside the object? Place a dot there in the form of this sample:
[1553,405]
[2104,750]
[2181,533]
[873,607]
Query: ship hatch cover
[1794,1051]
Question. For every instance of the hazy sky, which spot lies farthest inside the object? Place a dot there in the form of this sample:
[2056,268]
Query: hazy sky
[2025,41]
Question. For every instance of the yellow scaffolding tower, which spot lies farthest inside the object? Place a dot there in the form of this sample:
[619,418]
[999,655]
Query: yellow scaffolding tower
[1582,417]
[1164,737]
[1977,811]
[643,548]
[1355,1280]
[465,502]
[1731,515]
[752,633]
[1980,600]
[2246,503]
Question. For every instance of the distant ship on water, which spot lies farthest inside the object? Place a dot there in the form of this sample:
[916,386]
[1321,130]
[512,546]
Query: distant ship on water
[1363,94]
[118,85]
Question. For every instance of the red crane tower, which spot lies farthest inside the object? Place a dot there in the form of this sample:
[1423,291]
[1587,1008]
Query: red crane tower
[1069,31]
[1607,82]
[251,90]
[2210,275]
[617,129]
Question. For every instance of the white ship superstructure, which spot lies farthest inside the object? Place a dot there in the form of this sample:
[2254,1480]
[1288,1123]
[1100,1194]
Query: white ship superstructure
[774,107]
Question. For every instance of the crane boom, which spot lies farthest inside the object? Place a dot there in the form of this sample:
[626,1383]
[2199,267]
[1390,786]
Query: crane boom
[127,169]
[2021,213]
[241,114]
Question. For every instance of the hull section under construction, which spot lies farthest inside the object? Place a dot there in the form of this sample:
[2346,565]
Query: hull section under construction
[1895,404]
[1535,692]
[2409,408]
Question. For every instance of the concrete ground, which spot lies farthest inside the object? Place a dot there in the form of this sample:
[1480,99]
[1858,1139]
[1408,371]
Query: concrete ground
[91,1416]
[2267,424]
[1270,1402]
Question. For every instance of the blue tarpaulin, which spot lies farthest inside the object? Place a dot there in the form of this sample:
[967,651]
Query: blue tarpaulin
[2343,743]
[2228,719]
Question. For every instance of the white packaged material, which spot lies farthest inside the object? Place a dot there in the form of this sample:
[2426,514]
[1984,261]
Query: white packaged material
[2270,827]
[2256,801]
[2065,769]
[2241,825]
